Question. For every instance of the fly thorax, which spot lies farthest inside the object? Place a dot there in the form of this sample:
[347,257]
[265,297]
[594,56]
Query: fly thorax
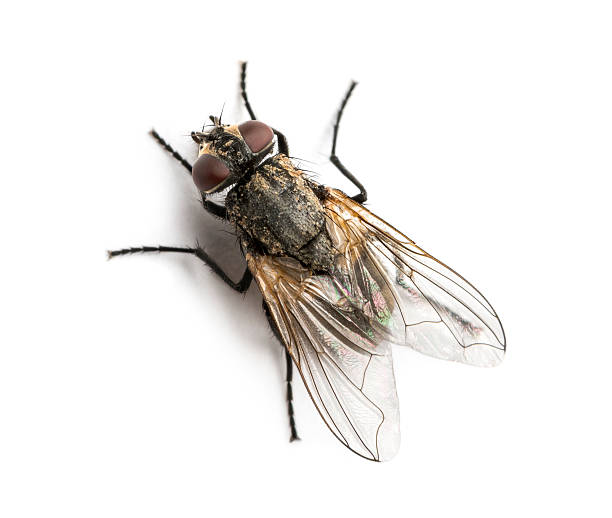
[277,209]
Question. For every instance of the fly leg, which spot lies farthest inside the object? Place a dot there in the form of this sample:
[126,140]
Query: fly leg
[289,362]
[175,154]
[363,195]
[241,286]
[281,140]
[289,370]
[243,93]
[283,147]
[212,208]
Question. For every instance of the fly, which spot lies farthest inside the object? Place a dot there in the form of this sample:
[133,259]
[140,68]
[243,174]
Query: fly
[339,284]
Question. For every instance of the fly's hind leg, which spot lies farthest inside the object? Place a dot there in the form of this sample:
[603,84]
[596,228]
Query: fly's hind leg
[241,286]
[289,366]
[363,195]
[283,146]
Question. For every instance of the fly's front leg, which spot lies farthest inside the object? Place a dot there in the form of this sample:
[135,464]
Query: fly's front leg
[283,147]
[213,208]
[241,286]
[243,93]
[363,195]
[281,140]
[209,206]
[175,154]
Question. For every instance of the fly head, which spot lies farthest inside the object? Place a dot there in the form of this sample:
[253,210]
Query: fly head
[228,152]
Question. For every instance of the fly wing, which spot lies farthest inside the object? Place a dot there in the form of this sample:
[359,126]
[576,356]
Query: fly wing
[432,308]
[382,289]
[345,364]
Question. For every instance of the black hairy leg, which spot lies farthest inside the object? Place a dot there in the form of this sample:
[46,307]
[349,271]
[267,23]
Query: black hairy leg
[241,286]
[289,376]
[175,154]
[247,104]
[212,208]
[363,195]
[283,146]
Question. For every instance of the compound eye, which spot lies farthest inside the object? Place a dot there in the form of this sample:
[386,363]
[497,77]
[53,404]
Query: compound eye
[208,172]
[257,135]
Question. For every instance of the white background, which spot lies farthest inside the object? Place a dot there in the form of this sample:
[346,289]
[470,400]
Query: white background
[144,387]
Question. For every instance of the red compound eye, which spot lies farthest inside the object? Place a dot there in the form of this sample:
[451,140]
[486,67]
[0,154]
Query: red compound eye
[208,172]
[256,134]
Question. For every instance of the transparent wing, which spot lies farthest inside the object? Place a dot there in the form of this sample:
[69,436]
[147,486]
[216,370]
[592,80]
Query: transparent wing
[431,308]
[345,364]
[338,326]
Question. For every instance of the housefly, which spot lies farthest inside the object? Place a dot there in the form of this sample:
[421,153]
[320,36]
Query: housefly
[339,284]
